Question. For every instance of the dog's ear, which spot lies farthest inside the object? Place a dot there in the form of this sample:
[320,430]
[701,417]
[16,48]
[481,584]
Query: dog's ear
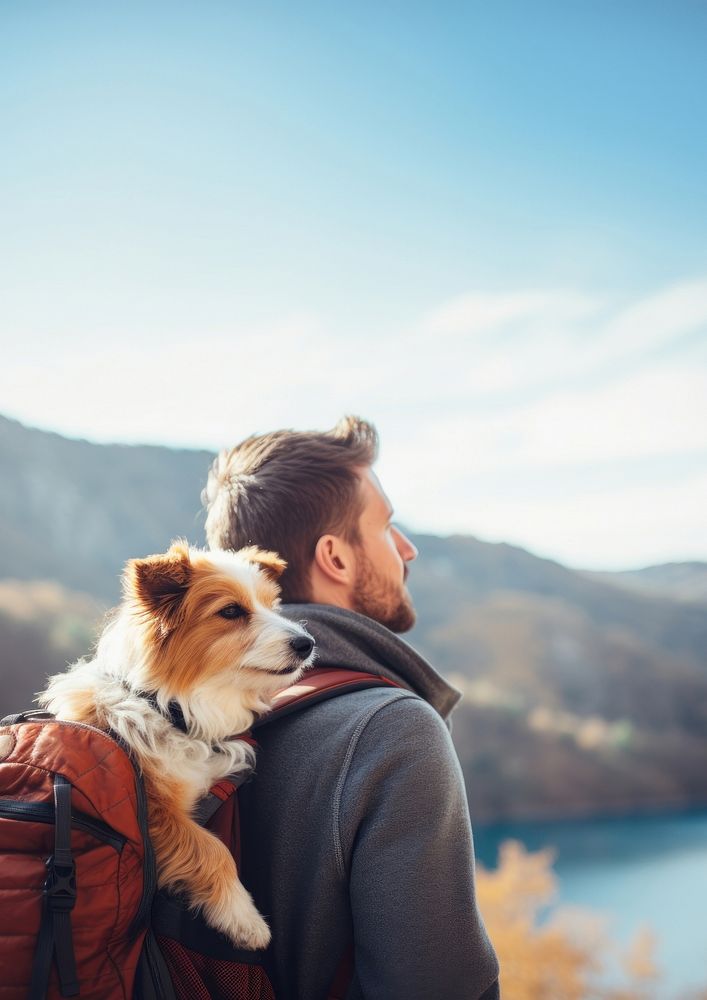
[158,584]
[270,562]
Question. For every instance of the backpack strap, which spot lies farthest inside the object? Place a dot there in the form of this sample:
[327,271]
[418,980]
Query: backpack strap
[318,685]
[58,901]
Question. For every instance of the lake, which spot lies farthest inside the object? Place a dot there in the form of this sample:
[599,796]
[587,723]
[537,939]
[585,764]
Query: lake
[641,871]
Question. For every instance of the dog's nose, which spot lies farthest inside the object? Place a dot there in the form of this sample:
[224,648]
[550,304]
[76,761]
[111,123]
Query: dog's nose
[302,645]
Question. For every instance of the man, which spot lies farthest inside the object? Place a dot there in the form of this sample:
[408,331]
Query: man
[356,828]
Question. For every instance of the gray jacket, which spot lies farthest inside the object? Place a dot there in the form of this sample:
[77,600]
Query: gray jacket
[356,825]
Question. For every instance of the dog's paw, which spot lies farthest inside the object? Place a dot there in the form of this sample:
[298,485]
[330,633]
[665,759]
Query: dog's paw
[252,934]
[240,920]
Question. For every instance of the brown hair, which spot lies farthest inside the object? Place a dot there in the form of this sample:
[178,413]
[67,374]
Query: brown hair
[283,491]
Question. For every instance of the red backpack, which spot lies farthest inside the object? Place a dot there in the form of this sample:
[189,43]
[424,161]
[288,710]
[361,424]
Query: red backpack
[79,911]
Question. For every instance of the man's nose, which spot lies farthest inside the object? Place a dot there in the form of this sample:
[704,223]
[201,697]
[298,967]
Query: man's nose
[407,550]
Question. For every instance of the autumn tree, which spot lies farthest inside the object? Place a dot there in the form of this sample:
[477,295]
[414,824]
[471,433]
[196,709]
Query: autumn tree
[555,953]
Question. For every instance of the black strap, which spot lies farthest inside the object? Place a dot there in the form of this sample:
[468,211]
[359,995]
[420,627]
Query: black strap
[206,807]
[59,898]
[42,964]
[152,978]
[173,711]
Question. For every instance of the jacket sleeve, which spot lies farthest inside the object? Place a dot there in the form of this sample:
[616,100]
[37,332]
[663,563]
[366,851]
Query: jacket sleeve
[405,846]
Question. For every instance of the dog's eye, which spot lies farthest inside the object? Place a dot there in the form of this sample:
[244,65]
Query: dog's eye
[232,611]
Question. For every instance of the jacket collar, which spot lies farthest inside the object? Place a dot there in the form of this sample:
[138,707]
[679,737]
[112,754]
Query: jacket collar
[353,641]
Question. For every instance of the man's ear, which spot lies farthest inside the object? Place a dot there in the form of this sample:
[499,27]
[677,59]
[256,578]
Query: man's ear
[334,558]
[158,584]
[269,562]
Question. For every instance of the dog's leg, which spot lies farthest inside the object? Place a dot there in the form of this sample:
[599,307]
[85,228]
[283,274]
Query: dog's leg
[191,858]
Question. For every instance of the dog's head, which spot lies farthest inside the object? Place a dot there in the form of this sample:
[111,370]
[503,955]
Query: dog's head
[208,621]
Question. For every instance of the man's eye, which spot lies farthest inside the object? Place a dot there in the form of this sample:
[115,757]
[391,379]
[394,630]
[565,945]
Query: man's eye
[232,611]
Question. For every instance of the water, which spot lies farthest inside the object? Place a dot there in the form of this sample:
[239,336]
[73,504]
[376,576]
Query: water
[643,871]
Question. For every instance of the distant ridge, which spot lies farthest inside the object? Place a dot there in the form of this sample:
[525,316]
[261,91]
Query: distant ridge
[73,511]
[683,581]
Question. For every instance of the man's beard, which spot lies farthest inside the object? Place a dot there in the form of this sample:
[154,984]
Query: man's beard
[382,600]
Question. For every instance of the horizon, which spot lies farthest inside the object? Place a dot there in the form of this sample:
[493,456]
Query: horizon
[482,228]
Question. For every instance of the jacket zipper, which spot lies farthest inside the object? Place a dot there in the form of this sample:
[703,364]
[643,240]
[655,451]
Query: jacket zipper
[43,812]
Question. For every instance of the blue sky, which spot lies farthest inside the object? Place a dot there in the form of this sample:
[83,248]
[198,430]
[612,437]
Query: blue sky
[481,225]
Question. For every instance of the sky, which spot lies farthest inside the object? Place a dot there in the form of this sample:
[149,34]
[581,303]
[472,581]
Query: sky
[482,226]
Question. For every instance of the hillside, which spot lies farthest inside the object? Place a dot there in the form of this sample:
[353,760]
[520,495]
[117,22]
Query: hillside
[43,627]
[582,694]
[74,512]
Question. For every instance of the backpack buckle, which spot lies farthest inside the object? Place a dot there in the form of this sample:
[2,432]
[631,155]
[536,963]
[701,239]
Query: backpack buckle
[60,885]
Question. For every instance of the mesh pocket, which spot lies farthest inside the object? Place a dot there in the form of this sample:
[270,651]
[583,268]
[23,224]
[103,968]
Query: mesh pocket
[199,977]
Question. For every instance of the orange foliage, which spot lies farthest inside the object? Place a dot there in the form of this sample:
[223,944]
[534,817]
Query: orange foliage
[556,953]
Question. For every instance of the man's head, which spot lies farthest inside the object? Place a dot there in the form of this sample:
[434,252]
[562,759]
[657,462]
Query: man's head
[313,498]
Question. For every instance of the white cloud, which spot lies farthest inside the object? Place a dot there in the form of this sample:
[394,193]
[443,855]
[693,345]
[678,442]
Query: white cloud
[483,312]
[656,320]
[651,414]
[655,412]
[484,345]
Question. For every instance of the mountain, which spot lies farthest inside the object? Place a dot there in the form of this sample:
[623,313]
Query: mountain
[582,693]
[74,512]
[683,581]
[460,569]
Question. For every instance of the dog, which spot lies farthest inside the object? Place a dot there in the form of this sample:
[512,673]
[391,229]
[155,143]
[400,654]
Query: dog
[194,652]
